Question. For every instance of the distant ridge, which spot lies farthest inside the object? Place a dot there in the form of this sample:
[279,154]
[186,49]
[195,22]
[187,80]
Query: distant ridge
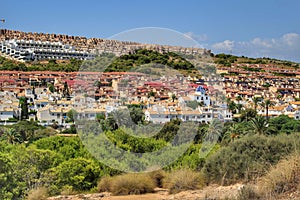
[97,45]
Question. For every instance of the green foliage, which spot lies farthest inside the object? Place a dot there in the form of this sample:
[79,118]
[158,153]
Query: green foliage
[192,104]
[12,136]
[136,114]
[52,65]
[224,59]
[70,147]
[248,114]
[51,88]
[80,173]
[30,131]
[128,142]
[24,108]
[71,130]
[71,115]
[169,130]
[63,164]
[99,64]
[259,125]
[8,188]
[248,158]
[143,56]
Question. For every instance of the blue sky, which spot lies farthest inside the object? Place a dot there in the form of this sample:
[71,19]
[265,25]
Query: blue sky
[256,28]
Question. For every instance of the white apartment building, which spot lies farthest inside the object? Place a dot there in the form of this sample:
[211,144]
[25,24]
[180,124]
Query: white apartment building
[29,50]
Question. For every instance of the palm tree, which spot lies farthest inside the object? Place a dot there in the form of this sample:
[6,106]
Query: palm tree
[232,133]
[239,107]
[256,100]
[214,130]
[12,136]
[260,125]
[238,98]
[267,104]
[232,106]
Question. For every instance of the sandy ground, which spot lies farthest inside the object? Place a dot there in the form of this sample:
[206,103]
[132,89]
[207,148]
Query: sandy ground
[213,192]
[160,194]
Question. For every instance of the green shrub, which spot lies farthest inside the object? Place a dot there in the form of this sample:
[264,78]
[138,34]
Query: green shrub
[248,158]
[132,184]
[182,180]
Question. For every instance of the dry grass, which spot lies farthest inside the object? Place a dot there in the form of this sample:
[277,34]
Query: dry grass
[182,180]
[158,176]
[67,190]
[104,184]
[282,178]
[127,184]
[248,193]
[40,193]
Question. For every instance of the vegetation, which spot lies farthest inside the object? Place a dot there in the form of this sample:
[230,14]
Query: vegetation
[143,56]
[248,158]
[283,177]
[40,193]
[227,60]
[246,150]
[51,65]
[185,179]
[127,184]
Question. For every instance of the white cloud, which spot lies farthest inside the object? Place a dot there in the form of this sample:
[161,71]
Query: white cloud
[226,45]
[291,39]
[285,47]
[199,38]
[261,42]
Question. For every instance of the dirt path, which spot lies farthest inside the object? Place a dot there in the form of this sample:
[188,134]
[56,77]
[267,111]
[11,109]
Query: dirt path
[210,192]
[161,194]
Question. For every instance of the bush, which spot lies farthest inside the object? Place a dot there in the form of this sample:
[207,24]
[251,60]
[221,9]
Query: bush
[67,190]
[284,177]
[248,158]
[39,193]
[132,184]
[104,185]
[247,193]
[158,176]
[182,180]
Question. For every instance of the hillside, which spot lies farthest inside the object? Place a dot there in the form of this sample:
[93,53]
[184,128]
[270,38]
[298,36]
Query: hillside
[228,60]
[183,63]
